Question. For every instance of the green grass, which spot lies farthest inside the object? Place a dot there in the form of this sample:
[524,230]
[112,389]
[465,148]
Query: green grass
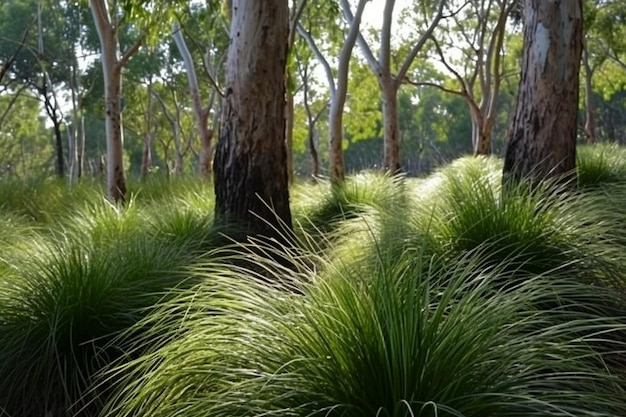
[464,207]
[67,289]
[602,164]
[399,341]
[440,296]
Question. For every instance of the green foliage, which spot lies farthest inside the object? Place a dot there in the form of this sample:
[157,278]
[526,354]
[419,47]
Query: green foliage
[323,207]
[25,142]
[417,336]
[600,165]
[439,296]
[545,228]
[68,288]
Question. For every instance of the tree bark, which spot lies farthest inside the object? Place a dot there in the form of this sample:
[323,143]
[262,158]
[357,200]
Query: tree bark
[590,123]
[112,73]
[391,125]
[250,168]
[201,112]
[542,138]
[289,119]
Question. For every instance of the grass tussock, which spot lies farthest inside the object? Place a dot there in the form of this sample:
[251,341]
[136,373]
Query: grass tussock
[69,288]
[600,165]
[444,296]
[398,341]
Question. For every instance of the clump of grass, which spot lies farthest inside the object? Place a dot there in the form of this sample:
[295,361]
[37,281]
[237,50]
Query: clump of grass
[543,228]
[67,291]
[600,164]
[421,338]
[320,209]
[164,188]
[43,200]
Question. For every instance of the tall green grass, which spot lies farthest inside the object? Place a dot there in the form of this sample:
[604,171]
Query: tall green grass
[393,304]
[416,337]
[543,228]
[43,200]
[68,288]
[601,165]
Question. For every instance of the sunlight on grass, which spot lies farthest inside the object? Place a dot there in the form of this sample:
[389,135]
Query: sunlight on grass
[397,341]
[442,296]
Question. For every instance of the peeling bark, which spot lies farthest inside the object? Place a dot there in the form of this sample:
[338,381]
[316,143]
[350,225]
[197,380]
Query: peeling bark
[542,138]
[250,171]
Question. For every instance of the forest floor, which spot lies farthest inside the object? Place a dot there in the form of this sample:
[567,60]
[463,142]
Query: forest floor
[438,296]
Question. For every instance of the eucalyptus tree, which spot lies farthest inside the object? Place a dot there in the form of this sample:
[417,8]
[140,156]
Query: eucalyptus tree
[542,137]
[471,47]
[389,78]
[604,53]
[337,78]
[38,52]
[143,19]
[250,172]
[108,18]
[315,103]
[208,32]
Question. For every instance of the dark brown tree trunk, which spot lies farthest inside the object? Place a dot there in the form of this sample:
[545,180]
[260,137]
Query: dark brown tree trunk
[250,169]
[542,138]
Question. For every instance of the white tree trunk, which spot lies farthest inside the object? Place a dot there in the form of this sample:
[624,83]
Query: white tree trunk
[201,112]
[112,69]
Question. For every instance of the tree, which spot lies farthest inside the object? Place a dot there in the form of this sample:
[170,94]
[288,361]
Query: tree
[338,88]
[542,138]
[42,59]
[250,170]
[214,39]
[389,82]
[107,25]
[481,58]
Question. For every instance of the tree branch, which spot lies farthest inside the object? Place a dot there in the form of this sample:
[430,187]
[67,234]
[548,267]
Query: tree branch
[420,43]
[365,49]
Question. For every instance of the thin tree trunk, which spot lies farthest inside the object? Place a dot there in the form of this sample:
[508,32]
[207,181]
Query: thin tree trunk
[391,126]
[112,68]
[81,147]
[590,123]
[289,122]
[200,112]
[146,154]
[542,138]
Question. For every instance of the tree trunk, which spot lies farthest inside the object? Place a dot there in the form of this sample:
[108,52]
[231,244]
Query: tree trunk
[391,125]
[590,123]
[542,138]
[112,73]
[81,147]
[146,154]
[60,159]
[335,150]
[315,169]
[289,119]
[250,169]
[481,137]
[201,113]
[116,180]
